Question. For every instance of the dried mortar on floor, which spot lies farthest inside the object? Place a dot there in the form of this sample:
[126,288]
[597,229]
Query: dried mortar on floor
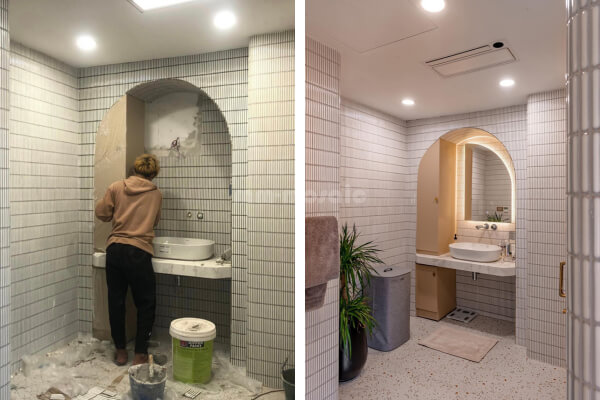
[86,363]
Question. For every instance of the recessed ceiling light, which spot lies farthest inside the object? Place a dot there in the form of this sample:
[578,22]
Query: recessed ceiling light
[224,20]
[86,43]
[507,82]
[145,5]
[408,102]
[433,5]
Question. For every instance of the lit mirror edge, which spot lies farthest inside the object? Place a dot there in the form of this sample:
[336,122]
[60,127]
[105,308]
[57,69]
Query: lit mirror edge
[508,163]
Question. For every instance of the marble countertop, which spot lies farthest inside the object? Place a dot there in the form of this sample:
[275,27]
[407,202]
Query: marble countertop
[497,268]
[208,269]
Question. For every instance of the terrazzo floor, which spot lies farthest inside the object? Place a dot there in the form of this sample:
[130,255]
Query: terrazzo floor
[415,372]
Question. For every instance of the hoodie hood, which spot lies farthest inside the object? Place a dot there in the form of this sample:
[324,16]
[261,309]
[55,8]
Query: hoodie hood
[136,185]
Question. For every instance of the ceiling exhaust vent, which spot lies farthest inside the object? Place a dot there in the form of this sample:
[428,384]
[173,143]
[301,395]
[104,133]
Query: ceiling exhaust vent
[471,60]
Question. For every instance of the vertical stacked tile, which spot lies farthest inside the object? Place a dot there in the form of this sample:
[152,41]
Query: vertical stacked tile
[583,241]
[223,76]
[546,225]
[199,182]
[44,202]
[498,186]
[509,125]
[192,184]
[270,184]
[322,198]
[4,205]
[478,173]
[373,175]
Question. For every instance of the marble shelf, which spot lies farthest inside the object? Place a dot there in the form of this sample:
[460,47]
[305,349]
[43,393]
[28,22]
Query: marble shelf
[497,268]
[208,269]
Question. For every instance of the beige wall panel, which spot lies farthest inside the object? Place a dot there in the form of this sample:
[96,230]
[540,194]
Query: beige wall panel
[427,206]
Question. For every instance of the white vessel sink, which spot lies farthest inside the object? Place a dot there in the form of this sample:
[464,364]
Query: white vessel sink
[183,248]
[475,251]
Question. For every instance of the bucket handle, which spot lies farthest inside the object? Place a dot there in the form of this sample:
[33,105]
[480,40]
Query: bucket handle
[285,363]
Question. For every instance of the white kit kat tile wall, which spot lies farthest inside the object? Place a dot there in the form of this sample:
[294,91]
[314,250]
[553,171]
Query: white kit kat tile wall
[270,207]
[44,202]
[583,217]
[373,176]
[546,225]
[322,199]
[188,183]
[4,205]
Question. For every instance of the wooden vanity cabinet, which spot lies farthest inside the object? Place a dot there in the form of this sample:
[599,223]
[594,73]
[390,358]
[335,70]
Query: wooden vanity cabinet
[435,293]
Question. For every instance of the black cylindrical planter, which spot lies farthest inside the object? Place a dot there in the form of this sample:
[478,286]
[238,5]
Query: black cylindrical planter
[350,367]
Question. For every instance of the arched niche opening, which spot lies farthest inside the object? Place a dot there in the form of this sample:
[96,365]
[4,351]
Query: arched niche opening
[185,129]
[454,177]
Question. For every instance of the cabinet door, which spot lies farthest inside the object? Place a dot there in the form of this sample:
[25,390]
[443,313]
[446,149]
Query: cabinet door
[426,295]
[427,201]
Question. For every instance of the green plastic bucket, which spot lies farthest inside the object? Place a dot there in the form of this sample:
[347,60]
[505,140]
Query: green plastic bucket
[192,349]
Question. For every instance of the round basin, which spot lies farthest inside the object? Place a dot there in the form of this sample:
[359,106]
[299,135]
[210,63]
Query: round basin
[479,252]
[183,248]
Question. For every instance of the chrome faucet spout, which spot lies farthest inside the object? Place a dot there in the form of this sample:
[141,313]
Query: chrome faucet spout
[484,226]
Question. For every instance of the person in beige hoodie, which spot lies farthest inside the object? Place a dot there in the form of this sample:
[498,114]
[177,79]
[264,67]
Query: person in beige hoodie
[133,206]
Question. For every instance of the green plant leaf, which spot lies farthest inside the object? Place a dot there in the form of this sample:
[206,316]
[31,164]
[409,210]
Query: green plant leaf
[356,267]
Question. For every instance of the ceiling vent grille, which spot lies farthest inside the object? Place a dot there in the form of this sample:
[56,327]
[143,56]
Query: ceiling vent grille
[471,60]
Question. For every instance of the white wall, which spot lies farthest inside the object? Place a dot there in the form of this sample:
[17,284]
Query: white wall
[4,210]
[44,202]
[546,225]
[322,199]
[271,217]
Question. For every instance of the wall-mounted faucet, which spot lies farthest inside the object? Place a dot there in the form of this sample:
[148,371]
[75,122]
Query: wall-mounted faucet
[199,215]
[487,226]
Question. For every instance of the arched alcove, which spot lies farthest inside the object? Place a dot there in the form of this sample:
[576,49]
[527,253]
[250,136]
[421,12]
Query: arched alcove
[185,128]
[195,181]
[444,186]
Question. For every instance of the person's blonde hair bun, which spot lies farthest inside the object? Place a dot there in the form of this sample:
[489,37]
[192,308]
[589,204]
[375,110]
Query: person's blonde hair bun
[147,165]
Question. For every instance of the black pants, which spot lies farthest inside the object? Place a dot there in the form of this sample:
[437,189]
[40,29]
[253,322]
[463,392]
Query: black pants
[130,266]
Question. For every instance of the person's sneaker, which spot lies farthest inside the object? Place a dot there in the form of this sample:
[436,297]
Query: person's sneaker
[121,357]
[140,358]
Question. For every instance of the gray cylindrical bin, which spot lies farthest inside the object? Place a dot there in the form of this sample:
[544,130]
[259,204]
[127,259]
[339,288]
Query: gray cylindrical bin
[389,296]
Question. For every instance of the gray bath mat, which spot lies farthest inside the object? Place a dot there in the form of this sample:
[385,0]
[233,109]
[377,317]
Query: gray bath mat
[459,343]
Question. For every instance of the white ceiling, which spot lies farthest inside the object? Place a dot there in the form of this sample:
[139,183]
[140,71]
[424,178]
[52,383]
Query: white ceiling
[125,34]
[384,45]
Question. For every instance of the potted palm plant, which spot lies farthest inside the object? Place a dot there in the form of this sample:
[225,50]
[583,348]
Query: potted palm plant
[356,319]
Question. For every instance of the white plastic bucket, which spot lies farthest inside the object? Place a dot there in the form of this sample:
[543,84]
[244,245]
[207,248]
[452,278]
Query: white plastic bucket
[192,340]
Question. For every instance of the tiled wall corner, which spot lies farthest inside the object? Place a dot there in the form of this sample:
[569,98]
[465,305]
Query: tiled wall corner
[322,198]
[509,125]
[546,225]
[4,205]
[44,202]
[223,76]
[270,186]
